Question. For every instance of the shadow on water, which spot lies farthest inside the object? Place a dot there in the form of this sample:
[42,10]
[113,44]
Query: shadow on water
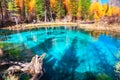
[70,61]
[65,69]
[43,46]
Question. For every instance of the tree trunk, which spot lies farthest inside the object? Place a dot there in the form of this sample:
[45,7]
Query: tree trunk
[1,13]
[51,15]
[5,10]
[45,13]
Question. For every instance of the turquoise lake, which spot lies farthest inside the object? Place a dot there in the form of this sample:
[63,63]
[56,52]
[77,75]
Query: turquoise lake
[71,53]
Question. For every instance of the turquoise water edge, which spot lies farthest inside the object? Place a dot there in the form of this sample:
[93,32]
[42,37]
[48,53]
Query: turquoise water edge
[71,53]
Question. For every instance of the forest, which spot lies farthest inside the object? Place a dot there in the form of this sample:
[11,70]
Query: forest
[27,11]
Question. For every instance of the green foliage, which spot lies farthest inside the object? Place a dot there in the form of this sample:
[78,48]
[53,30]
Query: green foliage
[92,76]
[39,8]
[85,5]
[103,77]
[25,76]
[91,17]
[10,6]
[2,45]
[13,53]
[59,9]
[74,7]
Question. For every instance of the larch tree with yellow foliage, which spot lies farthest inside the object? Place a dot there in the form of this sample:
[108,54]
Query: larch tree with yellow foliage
[115,11]
[96,10]
[52,3]
[109,11]
[24,7]
[67,6]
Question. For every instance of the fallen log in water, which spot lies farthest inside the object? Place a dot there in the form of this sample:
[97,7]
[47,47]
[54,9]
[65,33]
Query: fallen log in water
[34,67]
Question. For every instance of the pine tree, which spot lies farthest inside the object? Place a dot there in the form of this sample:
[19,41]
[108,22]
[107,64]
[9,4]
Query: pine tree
[59,9]
[79,9]
[85,5]
[39,8]
[74,7]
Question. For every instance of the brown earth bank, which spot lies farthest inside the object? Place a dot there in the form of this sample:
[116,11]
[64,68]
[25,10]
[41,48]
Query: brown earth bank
[87,26]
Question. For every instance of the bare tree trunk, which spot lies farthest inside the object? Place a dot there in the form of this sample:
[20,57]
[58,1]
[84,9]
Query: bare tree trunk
[45,13]
[5,10]
[51,15]
[1,13]
[45,20]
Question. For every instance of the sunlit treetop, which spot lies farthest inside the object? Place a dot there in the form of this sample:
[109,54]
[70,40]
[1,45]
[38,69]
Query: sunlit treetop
[52,3]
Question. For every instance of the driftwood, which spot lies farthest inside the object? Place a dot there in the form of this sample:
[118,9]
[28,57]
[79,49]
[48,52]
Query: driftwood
[34,67]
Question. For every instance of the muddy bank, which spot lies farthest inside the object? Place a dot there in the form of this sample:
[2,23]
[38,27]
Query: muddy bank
[85,26]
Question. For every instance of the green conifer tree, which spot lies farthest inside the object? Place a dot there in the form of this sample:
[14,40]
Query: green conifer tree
[39,8]
[59,9]
[85,5]
[74,7]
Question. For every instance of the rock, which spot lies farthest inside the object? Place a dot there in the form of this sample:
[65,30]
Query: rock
[117,67]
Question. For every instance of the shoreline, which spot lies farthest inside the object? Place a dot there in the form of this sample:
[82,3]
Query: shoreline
[86,27]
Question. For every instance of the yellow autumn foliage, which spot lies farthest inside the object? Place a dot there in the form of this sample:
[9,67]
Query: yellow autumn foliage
[104,9]
[19,3]
[79,9]
[115,10]
[96,10]
[52,3]
[67,5]
[109,12]
[79,12]
[31,5]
